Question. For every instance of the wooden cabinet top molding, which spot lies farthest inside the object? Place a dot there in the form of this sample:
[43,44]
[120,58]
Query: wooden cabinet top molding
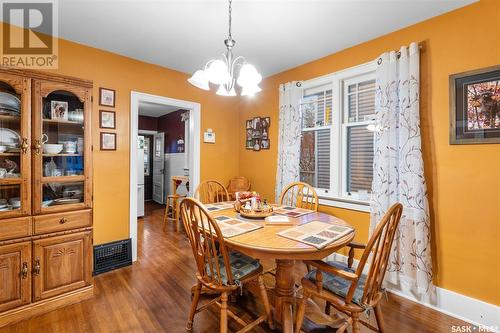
[33,74]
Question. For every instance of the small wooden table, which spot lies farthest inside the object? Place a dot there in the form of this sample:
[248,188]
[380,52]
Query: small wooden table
[265,244]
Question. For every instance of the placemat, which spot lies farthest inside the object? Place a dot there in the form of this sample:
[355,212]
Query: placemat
[316,233]
[292,211]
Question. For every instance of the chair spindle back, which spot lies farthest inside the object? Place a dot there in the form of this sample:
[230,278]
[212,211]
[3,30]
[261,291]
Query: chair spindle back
[211,191]
[238,184]
[299,195]
[206,242]
[379,247]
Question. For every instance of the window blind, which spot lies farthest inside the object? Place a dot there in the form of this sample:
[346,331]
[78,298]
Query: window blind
[359,159]
[315,156]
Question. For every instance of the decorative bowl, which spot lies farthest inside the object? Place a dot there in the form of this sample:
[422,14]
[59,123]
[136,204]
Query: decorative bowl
[49,148]
[256,213]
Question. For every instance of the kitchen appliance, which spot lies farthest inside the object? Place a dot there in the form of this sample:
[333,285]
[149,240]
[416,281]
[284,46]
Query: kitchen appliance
[140,176]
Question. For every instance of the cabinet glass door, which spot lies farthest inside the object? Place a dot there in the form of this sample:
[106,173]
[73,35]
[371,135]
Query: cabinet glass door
[15,104]
[61,147]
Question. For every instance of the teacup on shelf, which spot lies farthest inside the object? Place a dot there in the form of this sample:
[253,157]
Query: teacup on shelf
[69,147]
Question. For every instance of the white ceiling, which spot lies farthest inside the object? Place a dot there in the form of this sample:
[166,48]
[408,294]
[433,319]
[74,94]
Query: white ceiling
[155,110]
[274,35]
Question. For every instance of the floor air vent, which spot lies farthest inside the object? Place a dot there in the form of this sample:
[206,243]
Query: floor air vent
[112,255]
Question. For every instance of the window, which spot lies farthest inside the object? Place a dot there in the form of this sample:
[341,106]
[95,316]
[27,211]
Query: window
[337,136]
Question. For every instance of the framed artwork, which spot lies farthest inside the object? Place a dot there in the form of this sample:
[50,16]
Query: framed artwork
[475,106]
[107,97]
[59,110]
[257,133]
[107,119]
[108,141]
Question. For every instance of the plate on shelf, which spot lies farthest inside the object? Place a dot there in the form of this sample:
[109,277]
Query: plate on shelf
[10,102]
[46,203]
[12,175]
[15,202]
[65,201]
[9,112]
[9,137]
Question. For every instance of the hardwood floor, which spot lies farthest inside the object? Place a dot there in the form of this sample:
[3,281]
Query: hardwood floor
[153,295]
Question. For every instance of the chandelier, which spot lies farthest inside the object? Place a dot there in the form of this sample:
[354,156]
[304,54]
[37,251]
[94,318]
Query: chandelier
[223,72]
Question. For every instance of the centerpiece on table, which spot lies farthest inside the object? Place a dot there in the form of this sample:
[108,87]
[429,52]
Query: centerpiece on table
[249,204]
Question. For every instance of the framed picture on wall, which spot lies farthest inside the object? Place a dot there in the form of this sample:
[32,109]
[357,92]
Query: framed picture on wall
[107,97]
[475,106]
[257,133]
[108,141]
[107,119]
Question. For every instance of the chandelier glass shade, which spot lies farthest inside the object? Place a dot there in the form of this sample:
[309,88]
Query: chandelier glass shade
[228,71]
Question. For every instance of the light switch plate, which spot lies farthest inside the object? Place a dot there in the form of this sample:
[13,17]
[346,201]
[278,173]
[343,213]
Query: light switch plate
[209,137]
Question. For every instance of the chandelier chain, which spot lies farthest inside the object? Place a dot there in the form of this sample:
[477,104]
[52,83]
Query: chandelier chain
[230,11]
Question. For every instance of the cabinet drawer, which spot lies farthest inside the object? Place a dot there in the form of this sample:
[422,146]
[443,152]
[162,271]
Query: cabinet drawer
[15,228]
[45,224]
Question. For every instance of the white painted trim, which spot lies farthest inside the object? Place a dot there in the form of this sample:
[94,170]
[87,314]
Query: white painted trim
[471,310]
[194,142]
[336,195]
[462,307]
[147,132]
[360,206]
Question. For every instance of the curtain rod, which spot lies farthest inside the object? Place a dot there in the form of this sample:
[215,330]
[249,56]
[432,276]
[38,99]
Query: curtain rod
[398,53]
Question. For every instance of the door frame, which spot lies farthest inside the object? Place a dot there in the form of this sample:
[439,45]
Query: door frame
[160,136]
[151,134]
[194,150]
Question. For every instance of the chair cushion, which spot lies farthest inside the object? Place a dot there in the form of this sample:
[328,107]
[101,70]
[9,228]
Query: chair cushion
[241,266]
[338,285]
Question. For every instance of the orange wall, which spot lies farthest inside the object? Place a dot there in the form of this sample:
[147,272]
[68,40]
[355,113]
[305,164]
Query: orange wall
[463,181]
[111,169]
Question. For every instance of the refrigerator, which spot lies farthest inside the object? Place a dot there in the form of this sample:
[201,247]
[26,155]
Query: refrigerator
[140,176]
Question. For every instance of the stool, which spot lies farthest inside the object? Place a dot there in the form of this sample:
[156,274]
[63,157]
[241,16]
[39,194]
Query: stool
[172,210]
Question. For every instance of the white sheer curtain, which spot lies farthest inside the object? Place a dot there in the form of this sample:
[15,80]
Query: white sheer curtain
[290,95]
[398,171]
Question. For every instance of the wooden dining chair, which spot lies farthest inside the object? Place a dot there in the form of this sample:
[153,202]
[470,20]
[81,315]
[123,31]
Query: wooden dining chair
[238,184]
[219,269]
[211,191]
[300,195]
[348,290]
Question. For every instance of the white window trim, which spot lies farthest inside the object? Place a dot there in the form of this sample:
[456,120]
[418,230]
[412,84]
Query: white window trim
[336,196]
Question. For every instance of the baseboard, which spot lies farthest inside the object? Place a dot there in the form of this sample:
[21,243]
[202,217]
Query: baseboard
[35,309]
[476,312]
[484,315]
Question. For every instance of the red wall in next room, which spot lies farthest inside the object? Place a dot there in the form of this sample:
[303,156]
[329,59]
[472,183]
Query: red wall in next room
[173,128]
[148,123]
[170,124]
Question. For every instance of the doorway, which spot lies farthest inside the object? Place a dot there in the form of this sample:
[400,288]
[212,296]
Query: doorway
[186,143]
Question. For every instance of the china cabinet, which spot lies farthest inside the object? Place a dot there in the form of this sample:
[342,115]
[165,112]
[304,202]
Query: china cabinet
[45,192]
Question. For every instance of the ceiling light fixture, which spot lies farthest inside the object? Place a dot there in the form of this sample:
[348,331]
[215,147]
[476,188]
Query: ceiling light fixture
[223,72]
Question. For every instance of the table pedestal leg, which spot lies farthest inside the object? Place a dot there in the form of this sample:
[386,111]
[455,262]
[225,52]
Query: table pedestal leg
[285,292]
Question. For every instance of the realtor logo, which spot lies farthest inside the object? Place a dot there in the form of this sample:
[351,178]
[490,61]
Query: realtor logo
[29,34]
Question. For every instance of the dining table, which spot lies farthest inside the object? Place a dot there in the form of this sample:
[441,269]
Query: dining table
[266,244]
